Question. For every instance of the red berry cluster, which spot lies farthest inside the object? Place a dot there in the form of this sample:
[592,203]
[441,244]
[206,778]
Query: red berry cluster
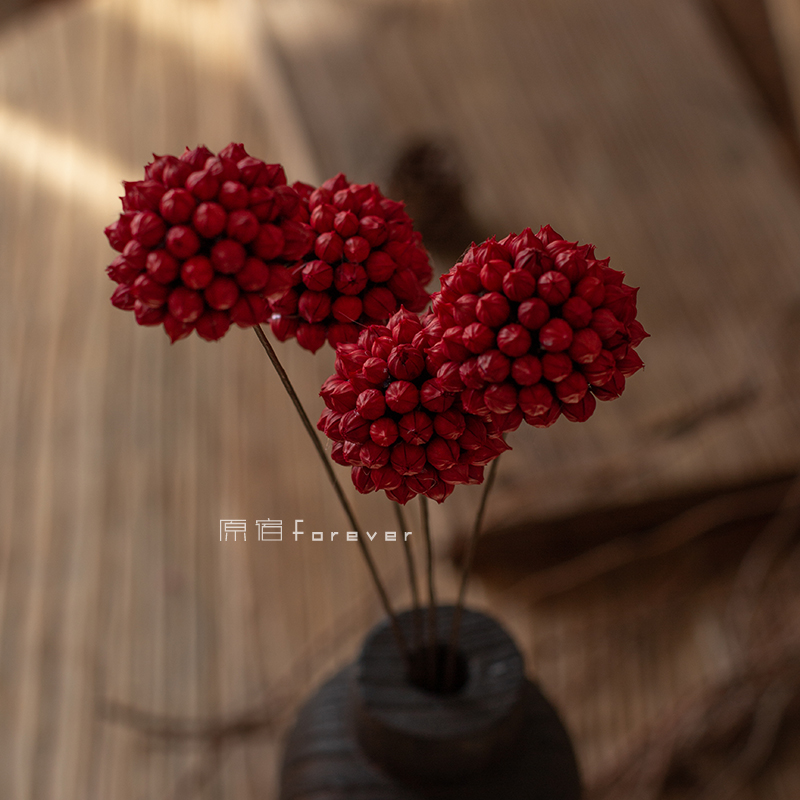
[204,239]
[366,261]
[394,424]
[533,327]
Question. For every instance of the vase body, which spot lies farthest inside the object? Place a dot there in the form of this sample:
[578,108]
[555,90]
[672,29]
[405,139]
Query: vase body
[370,734]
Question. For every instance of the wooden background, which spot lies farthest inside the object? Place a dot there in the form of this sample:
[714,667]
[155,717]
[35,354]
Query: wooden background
[632,124]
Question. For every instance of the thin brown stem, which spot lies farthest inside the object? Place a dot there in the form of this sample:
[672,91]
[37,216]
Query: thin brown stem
[426,531]
[348,510]
[469,558]
[412,573]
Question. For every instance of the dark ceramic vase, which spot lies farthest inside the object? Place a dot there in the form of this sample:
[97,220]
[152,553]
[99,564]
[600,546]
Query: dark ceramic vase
[371,734]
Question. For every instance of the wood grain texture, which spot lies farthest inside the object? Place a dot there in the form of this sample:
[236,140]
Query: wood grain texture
[620,123]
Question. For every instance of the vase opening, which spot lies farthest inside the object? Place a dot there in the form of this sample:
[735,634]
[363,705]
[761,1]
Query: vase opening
[430,673]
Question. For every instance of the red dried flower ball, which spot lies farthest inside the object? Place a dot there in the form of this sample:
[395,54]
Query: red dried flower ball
[205,239]
[365,260]
[397,427]
[533,327]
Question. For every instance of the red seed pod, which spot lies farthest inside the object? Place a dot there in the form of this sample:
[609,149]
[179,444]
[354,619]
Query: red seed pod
[270,242]
[459,474]
[577,312]
[535,400]
[546,419]
[354,427]
[329,247]
[408,459]
[337,452]
[162,267]
[519,285]
[362,479]
[209,220]
[434,398]
[373,455]
[556,366]
[242,225]
[202,184]
[264,204]
[384,431]
[526,370]
[185,305]
[233,195]
[492,274]
[415,427]
[472,402]
[298,239]
[513,340]
[149,292]
[555,336]
[404,326]
[317,275]
[494,366]
[510,421]
[375,370]
[123,298]
[612,388]
[464,310]
[322,218]
[352,453]
[500,398]
[221,168]
[530,260]
[478,337]
[314,306]
[636,333]
[449,424]
[380,266]
[379,303]
[346,309]
[406,362]
[629,362]
[621,301]
[423,481]
[382,346]
[605,324]
[356,249]
[148,228]
[470,374]
[601,370]
[177,206]
[228,256]
[122,270]
[213,325]
[449,377]
[283,327]
[591,290]
[492,309]
[250,309]
[453,344]
[475,434]
[580,411]
[197,157]
[442,453]
[176,330]
[373,229]
[182,242]
[343,397]
[533,313]
[341,333]
[586,346]
[572,389]
[119,232]
[197,272]
[370,404]
[222,293]
[142,195]
[146,315]
[553,287]
[571,263]
[350,279]
[402,396]
[392,483]
[253,276]
[135,254]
